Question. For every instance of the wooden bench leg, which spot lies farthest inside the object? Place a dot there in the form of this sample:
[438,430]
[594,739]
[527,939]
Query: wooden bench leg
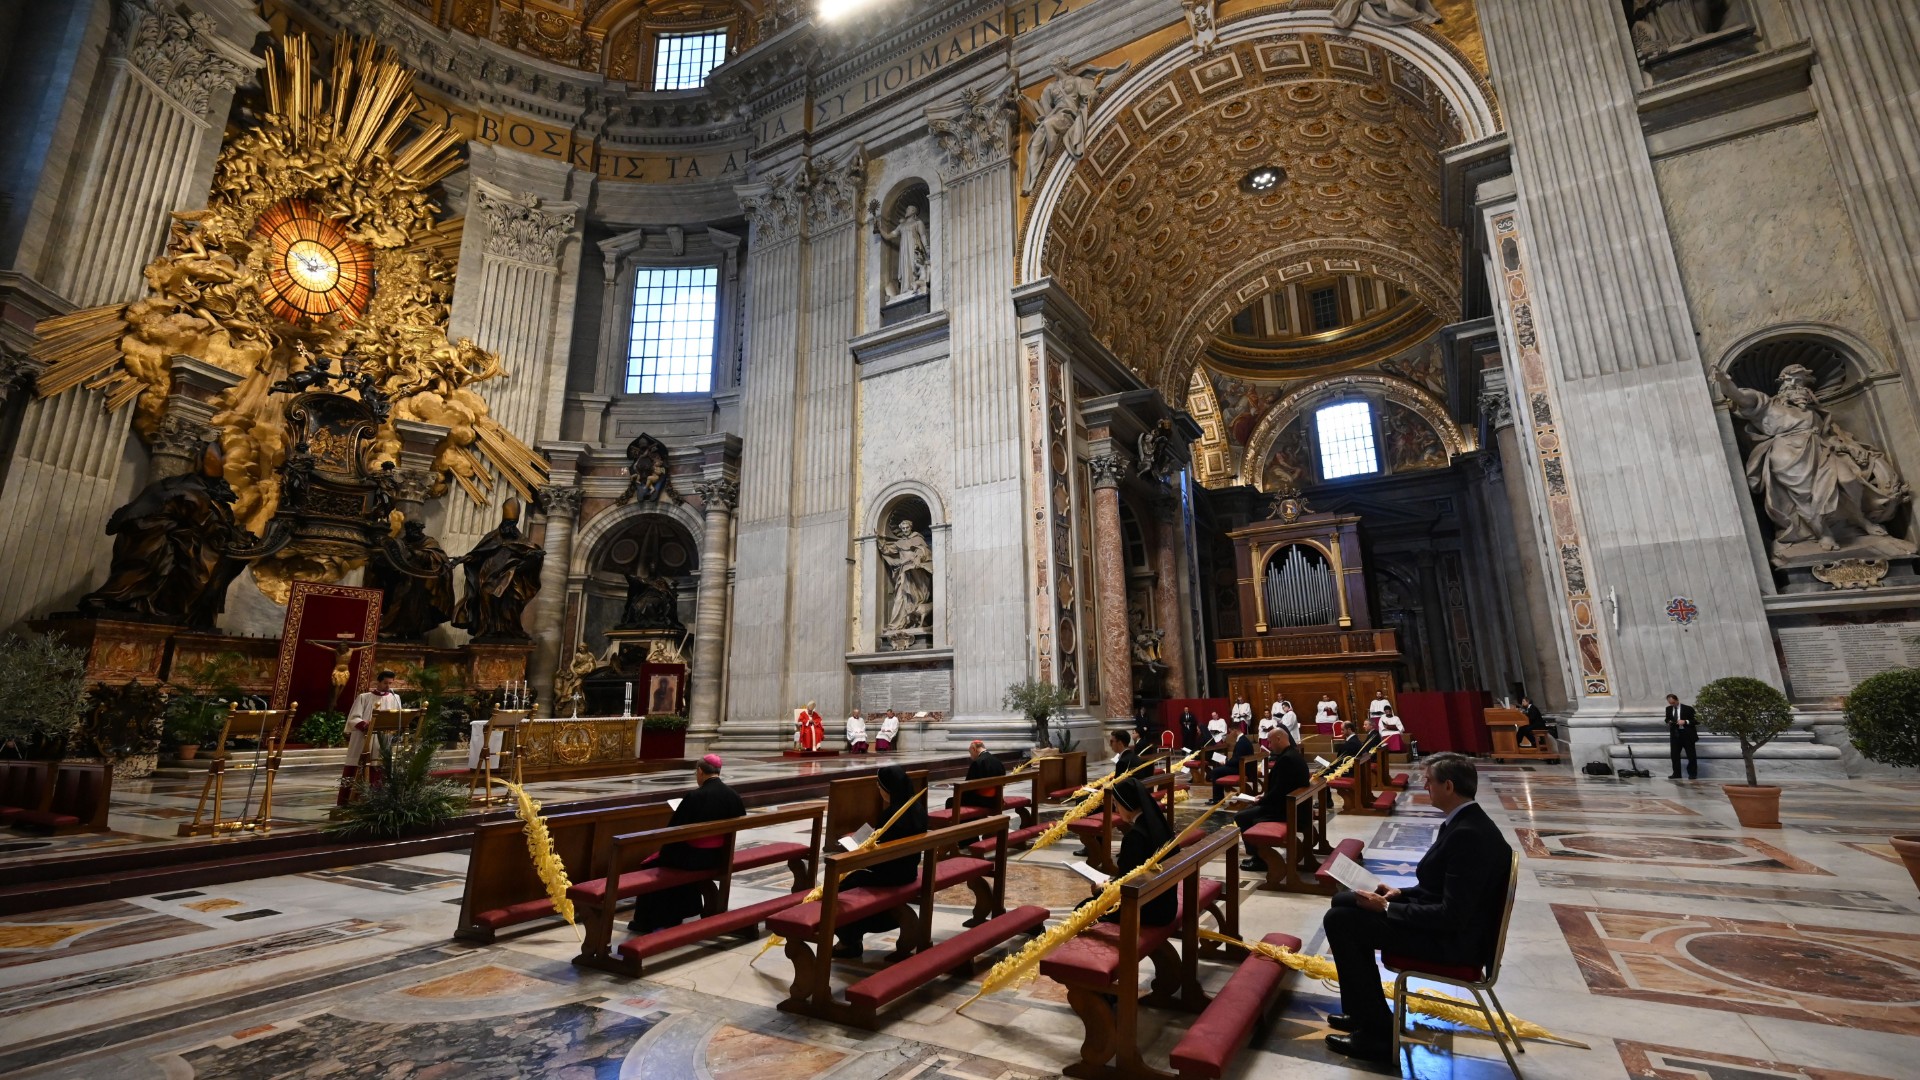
[802,869]
[805,975]
[983,907]
[1097,1046]
[914,932]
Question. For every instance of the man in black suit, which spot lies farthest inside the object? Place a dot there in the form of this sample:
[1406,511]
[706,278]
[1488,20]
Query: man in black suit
[1451,917]
[1682,735]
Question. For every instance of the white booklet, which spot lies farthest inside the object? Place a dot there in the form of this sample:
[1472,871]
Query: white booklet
[852,843]
[1219,759]
[673,804]
[1244,797]
[1351,874]
[1089,873]
[1320,761]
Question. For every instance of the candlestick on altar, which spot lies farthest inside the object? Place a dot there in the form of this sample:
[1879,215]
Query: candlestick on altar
[626,707]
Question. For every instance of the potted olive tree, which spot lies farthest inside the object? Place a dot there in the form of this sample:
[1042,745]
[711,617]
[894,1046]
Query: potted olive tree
[1883,720]
[1041,703]
[43,688]
[1754,713]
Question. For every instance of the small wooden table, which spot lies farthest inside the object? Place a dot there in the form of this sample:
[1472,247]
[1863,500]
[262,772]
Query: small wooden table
[1505,725]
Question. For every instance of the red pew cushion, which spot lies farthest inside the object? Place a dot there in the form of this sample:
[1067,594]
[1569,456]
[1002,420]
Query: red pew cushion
[918,970]
[1087,826]
[1228,1022]
[1094,957]
[758,855]
[638,883]
[804,921]
[524,911]
[1267,834]
[641,946]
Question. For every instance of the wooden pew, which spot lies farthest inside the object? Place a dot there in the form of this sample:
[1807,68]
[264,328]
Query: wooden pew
[1059,776]
[1292,854]
[1356,788]
[1228,1023]
[1095,831]
[809,928]
[25,786]
[955,811]
[502,887]
[596,901]
[1103,964]
[61,797]
[855,801]
[1387,779]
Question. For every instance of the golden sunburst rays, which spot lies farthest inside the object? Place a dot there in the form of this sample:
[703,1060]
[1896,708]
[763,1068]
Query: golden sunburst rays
[319,230]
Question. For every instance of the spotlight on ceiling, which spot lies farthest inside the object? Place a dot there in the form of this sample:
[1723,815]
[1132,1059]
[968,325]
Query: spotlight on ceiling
[833,10]
[1263,179]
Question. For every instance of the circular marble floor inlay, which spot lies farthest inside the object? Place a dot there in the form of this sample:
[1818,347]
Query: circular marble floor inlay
[1806,967]
[1653,847]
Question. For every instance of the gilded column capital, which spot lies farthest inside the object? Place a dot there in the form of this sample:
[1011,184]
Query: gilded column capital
[524,227]
[559,502]
[180,435]
[718,496]
[178,52]
[1108,469]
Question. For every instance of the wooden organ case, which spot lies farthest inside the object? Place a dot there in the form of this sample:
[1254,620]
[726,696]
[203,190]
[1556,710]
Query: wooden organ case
[1300,575]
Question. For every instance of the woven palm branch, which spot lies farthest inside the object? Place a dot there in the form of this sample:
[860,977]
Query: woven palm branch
[553,874]
[1097,794]
[865,845]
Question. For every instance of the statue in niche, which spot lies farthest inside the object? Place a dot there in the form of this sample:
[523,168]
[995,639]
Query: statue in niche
[910,572]
[652,601]
[1661,26]
[1145,641]
[415,576]
[648,471]
[1059,118]
[1824,489]
[913,261]
[503,577]
[171,549]
[1384,12]
[1156,453]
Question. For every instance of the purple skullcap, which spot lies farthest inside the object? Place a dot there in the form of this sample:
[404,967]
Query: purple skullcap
[712,762]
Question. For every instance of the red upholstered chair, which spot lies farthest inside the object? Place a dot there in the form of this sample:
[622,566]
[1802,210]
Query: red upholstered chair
[1466,976]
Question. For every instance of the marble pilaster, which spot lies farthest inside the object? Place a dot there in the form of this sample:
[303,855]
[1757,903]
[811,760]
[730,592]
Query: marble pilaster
[146,129]
[1167,603]
[559,503]
[1626,458]
[1110,583]
[718,498]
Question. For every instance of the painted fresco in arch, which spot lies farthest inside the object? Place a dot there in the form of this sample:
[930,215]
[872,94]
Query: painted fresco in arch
[1290,465]
[1411,441]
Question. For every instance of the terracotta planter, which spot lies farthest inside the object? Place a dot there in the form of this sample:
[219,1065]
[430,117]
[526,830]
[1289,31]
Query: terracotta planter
[1908,848]
[186,753]
[1756,807]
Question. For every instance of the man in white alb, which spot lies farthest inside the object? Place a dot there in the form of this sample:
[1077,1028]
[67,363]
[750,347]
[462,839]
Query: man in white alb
[1326,715]
[889,730]
[1378,707]
[359,722]
[1216,729]
[1392,730]
[857,733]
[1290,720]
[1242,712]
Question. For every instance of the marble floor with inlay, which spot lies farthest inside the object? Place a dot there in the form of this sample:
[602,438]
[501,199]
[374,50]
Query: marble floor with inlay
[1672,942]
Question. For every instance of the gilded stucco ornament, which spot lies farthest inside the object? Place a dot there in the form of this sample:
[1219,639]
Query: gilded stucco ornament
[319,239]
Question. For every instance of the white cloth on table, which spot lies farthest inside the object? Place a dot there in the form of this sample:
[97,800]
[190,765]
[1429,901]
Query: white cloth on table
[477,732]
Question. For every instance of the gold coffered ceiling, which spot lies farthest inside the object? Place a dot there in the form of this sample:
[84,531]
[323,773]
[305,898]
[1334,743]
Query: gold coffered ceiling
[1154,237]
[606,36]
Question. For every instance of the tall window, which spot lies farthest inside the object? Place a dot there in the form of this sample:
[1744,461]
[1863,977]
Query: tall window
[1346,440]
[1326,308]
[682,61]
[671,350]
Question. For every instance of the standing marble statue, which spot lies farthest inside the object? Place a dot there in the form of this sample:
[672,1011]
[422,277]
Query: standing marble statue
[1661,26]
[1059,118]
[171,546]
[569,677]
[415,578]
[913,262]
[910,569]
[503,577]
[1384,12]
[1824,489]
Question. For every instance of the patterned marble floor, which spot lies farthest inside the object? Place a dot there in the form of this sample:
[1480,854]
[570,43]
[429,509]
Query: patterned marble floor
[150,811]
[1650,926]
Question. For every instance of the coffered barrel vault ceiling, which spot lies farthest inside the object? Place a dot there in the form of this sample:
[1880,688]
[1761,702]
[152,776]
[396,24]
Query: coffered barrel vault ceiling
[604,36]
[1155,238]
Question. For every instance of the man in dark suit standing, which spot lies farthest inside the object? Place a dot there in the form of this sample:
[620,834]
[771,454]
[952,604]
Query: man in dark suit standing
[1452,916]
[1682,735]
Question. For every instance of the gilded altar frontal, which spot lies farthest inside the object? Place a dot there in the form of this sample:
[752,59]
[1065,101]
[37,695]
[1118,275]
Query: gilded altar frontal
[463,438]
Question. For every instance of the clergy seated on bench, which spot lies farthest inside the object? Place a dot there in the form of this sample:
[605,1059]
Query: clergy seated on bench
[712,800]
[895,790]
[1450,918]
[1238,748]
[1147,832]
[1289,774]
[982,766]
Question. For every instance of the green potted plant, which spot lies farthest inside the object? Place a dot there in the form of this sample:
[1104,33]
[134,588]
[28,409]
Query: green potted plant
[1883,721]
[122,725]
[43,689]
[406,800]
[198,702]
[326,728]
[1754,713]
[1041,702]
[663,736]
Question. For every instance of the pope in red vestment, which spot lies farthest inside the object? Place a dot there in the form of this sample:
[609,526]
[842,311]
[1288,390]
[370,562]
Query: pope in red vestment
[808,731]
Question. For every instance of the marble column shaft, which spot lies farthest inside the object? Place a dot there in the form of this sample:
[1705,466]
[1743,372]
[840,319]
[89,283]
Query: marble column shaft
[710,611]
[1654,511]
[1110,583]
[1166,595]
[560,503]
[988,617]
[147,147]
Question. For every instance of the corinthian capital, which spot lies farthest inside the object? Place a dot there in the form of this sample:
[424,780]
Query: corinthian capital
[775,207]
[1108,469]
[181,54]
[559,502]
[718,496]
[973,129]
[834,196]
[524,228]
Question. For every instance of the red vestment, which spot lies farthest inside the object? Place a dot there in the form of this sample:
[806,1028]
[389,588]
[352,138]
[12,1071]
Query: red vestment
[809,732]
